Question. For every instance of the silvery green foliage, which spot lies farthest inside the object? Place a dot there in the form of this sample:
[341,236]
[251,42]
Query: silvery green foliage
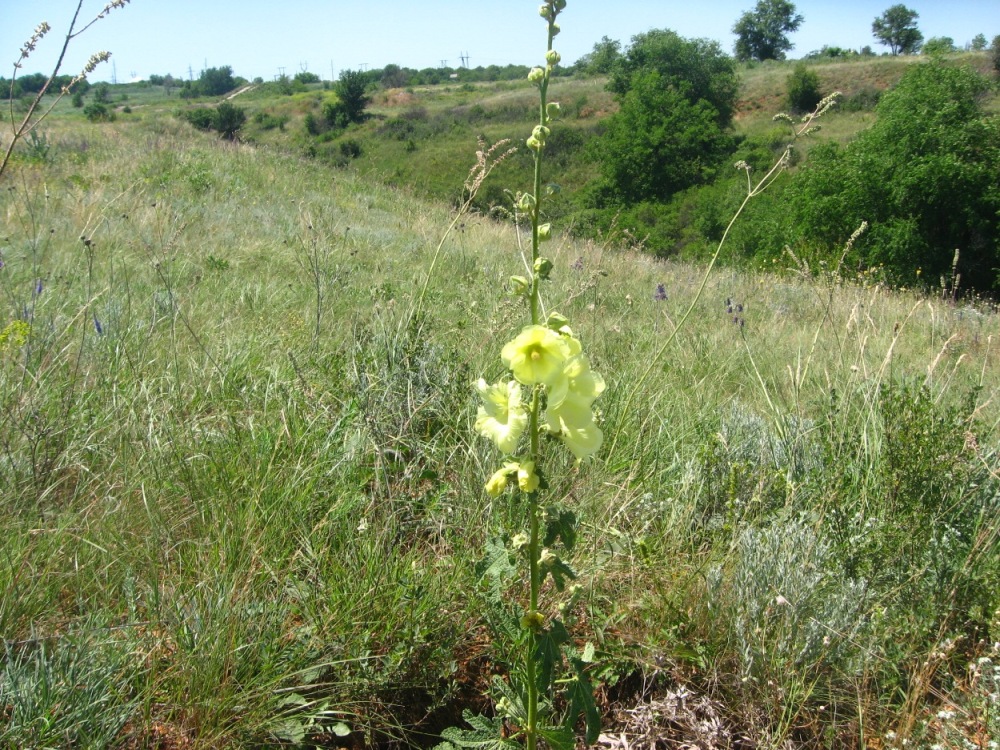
[787,603]
[64,692]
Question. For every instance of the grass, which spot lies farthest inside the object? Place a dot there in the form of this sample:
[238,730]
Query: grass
[246,511]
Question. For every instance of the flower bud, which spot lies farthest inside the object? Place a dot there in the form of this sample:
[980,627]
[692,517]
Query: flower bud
[552,57]
[559,5]
[547,559]
[540,132]
[520,286]
[543,267]
[552,110]
[525,202]
[545,12]
[534,144]
[554,28]
[557,322]
[533,621]
[544,232]
[520,541]
[535,75]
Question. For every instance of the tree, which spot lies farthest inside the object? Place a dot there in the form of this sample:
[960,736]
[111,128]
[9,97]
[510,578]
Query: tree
[676,100]
[979,42]
[897,29]
[600,60]
[216,81]
[803,89]
[659,142]
[923,176]
[229,119]
[995,53]
[761,34]
[697,68]
[351,89]
[393,77]
[939,45]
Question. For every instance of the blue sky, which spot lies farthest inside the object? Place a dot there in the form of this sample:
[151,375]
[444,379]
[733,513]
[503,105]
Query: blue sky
[263,38]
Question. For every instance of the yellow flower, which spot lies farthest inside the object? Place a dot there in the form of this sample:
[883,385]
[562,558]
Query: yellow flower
[527,479]
[498,482]
[573,422]
[502,417]
[538,355]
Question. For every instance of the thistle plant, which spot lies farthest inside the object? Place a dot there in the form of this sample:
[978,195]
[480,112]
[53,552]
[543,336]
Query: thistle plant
[548,392]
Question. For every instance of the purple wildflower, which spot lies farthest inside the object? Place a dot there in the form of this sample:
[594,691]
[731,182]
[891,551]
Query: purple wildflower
[39,287]
[577,264]
[97,326]
[661,293]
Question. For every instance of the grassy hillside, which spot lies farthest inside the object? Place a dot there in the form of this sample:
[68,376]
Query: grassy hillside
[243,498]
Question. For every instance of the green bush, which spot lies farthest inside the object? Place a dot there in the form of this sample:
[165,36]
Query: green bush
[803,89]
[923,176]
[99,112]
[229,119]
[202,118]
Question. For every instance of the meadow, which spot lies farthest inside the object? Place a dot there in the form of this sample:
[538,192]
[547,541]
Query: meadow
[243,497]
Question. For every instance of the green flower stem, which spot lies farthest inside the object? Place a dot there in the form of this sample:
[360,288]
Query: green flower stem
[534,573]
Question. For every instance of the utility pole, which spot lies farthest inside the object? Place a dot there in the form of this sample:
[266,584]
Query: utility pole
[465,59]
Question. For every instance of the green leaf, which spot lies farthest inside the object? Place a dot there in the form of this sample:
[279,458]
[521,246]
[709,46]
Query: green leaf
[580,694]
[547,653]
[486,734]
[560,571]
[560,524]
[496,567]
[558,738]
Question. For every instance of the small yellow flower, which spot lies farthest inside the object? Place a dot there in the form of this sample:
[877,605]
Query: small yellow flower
[502,417]
[498,482]
[527,479]
[538,355]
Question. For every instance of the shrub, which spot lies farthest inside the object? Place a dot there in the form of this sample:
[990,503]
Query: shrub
[229,119]
[923,176]
[803,89]
[202,118]
[98,112]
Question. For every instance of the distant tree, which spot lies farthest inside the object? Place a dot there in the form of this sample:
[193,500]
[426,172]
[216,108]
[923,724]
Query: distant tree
[939,45]
[351,89]
[896,28]
[761,34]
[923,176]
[102,93]
[697,68]
[803,89]
[676,99]
[305,77]
[979,42]
[600,60]
[393,77]
[216,81]
[77,99]
[995,53]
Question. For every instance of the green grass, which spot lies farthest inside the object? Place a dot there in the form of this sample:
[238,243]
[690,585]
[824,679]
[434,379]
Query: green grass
[247,511]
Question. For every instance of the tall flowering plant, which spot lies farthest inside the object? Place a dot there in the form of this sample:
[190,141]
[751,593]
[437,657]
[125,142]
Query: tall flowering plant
[549,390]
